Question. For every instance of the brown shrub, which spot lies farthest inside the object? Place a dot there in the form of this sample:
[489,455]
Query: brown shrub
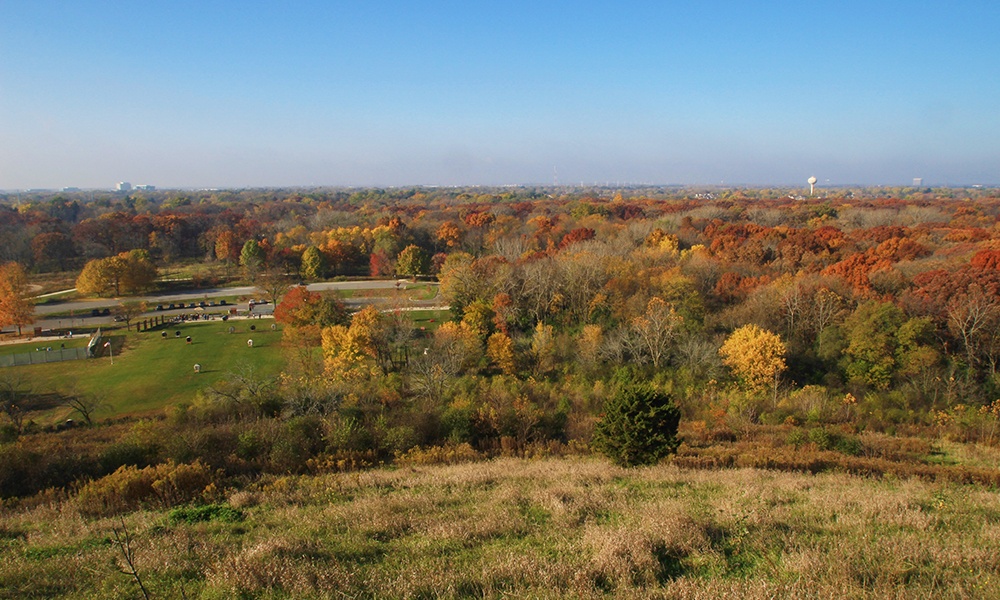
[438,455]
[129,488]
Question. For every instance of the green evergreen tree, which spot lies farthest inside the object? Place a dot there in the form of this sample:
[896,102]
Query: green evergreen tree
[639,426]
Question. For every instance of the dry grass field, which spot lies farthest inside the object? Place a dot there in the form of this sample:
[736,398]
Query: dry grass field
[573,527]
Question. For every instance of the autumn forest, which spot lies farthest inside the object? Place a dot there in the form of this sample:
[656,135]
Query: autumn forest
[874,308]
[520,335]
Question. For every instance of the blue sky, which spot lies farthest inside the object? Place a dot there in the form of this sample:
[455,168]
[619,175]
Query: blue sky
[241,94]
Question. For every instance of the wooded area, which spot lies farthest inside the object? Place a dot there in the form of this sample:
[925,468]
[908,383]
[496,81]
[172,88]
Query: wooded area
[872,310]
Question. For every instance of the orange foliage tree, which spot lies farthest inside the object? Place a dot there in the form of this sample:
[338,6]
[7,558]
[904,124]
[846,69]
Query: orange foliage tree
[15,306]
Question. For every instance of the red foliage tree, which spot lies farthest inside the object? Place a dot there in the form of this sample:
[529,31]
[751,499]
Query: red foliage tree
[580,234]
[380,265]
[986,259]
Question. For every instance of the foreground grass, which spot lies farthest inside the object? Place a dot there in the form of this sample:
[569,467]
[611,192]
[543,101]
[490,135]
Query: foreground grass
[552,528]
[153,371]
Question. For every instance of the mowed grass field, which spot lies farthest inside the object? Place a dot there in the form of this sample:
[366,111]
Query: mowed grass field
[77,342]
[572,527]
[151,371]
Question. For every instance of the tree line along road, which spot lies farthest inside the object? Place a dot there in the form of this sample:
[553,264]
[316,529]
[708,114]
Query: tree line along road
[82,308]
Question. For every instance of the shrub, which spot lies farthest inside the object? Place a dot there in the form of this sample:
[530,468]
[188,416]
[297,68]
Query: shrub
[210,512]
[850,445]
[821,437]
[796,437]
[128,488]
[125,454]
[449,454]
[639,426]
[457,422]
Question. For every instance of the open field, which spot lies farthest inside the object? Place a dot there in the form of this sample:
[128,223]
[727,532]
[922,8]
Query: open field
[429,320]
[76,342]
[547,528]
[412,291]
[154,371]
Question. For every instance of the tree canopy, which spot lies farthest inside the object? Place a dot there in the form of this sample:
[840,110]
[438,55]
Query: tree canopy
[16,307]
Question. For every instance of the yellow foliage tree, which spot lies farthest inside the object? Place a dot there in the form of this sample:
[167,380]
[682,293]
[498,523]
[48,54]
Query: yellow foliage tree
[459,345]
[543,347]
[588,344]
[479,318]
[354,352]
[95,278]
[449,234]
[756,355]
[500,350]
[125,273]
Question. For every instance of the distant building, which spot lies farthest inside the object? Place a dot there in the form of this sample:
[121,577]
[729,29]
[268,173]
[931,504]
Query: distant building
[71,189]
[918,181]
[146,188]
[124,186]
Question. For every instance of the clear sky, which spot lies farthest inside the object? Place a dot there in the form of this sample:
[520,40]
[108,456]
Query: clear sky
[369,92]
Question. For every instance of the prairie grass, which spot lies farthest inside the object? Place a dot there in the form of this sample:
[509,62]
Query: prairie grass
[572,527]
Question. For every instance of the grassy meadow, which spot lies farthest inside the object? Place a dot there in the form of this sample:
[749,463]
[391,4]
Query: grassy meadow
[573,527]
[151,371]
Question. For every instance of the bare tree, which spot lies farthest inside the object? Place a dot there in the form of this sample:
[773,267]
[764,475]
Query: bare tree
[972,313]
[246,388]
[85,405]
[128,311]
[273,284]
[654,331]
[123,540]
[14,395]
[512,248]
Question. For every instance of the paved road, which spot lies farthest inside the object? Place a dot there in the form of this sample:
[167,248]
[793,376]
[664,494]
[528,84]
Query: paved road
[83,308]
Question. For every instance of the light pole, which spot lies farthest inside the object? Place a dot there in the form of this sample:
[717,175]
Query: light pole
[111,352]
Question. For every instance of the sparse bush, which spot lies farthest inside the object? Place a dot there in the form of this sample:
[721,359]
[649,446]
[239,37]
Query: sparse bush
[299,440]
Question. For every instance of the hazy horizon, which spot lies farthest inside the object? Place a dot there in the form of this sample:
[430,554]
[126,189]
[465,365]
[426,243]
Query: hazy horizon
[449,94]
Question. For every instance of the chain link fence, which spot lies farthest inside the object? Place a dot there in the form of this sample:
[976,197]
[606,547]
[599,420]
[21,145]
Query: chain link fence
[44,354]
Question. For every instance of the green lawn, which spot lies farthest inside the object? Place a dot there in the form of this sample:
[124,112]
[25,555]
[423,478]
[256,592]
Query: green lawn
[412,291]
[152,372]
[429,320]
[54,343]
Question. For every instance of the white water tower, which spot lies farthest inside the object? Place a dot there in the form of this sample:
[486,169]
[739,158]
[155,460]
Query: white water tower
[812,184]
